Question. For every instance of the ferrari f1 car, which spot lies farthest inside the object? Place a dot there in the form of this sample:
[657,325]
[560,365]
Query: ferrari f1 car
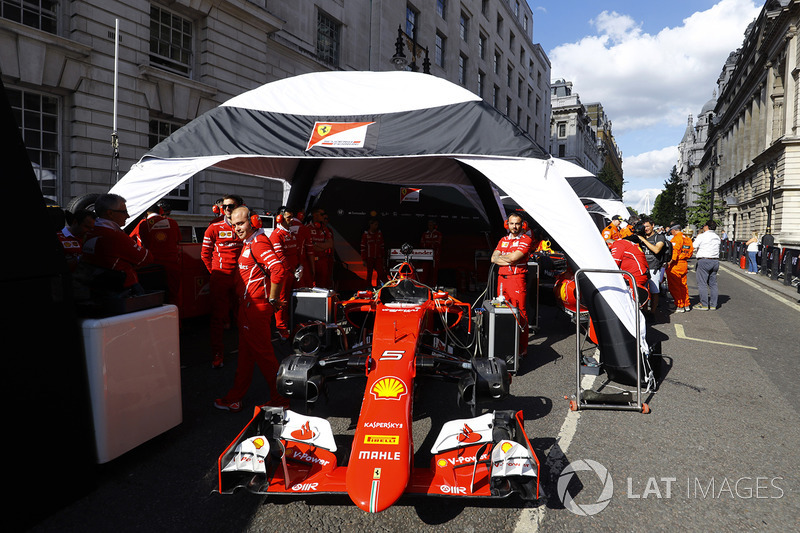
[393,330]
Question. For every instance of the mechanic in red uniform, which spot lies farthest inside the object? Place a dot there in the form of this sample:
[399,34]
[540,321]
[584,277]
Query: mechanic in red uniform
[220,253]
[431,239]
[322,248]
[511,255]
[73,234]
[258,286]
[108,246]
[284,242]
[304,251]
[611,232]
[162,236]
[372,253]
[628,256]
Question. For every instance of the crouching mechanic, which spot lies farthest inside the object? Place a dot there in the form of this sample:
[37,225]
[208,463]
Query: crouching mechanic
[511,255]
[258,285]
[629,257]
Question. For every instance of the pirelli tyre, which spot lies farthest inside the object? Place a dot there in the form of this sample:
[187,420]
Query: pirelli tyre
[85,201]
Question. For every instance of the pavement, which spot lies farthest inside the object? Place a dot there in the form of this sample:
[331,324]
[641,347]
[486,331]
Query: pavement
[167,483]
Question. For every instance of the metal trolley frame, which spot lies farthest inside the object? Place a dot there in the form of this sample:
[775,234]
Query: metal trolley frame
[614,401]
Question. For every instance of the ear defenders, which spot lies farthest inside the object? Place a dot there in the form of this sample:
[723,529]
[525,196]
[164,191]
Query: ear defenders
[280,218]
[524,225]
[255,220]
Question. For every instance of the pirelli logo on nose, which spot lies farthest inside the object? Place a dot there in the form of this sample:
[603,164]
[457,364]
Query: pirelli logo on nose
[382,439]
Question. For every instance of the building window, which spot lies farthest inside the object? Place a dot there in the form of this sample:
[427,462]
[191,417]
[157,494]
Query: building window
[496,65]
[562,130]
[463,26]
[481,83]
[412,22]
[40,14]
[37,117]
[482,46]
[484,7]
[328,36]
[511,39]
[462,69]
[509,75]
[171,41]
[525,23]
[441,8]
[158,130]
[438,52]
[516,8]
[562,150]
[495,95]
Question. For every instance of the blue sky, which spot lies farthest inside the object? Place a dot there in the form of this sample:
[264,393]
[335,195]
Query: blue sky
[651,63]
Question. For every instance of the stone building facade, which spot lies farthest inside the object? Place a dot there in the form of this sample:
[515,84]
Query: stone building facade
[95,84]
[572,135]
[752,150]
[610,154]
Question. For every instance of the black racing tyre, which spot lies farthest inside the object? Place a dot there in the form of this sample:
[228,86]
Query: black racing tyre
[85,201]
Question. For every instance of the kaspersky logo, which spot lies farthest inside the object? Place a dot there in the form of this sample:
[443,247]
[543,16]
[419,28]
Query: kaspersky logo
[389,388]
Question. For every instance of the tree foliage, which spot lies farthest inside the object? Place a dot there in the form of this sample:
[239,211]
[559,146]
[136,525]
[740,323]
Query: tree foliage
[699,213]
[670,205]
[607,176]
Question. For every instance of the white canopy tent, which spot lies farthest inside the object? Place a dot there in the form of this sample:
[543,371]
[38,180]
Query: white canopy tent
[390,127]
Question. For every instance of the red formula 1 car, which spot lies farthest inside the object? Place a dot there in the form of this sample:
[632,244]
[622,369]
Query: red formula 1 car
[488,455]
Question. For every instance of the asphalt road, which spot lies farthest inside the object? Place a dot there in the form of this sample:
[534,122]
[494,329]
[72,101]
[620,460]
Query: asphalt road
[719,449]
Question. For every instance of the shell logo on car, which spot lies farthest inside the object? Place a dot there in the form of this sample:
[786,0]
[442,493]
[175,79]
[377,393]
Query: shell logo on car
[389,388]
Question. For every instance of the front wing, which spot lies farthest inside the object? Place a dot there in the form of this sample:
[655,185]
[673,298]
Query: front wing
[284,452]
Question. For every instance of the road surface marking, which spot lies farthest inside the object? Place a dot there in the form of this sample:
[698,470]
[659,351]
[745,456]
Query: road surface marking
[682,335]
[530,520]
[782,299]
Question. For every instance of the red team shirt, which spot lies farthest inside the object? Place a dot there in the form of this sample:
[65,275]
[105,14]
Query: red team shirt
[160,235]
[285,245]
[371,245]
[71,244]
[222,239]
[252,283]
[432,239]
[509,244]
[631,258]
[107,246]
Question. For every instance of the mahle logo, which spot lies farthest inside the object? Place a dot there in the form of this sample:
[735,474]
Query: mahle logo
[584,465]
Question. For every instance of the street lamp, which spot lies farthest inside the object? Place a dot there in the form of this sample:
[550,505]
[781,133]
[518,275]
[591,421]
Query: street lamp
[768,239]
[399,58]
[714,163]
